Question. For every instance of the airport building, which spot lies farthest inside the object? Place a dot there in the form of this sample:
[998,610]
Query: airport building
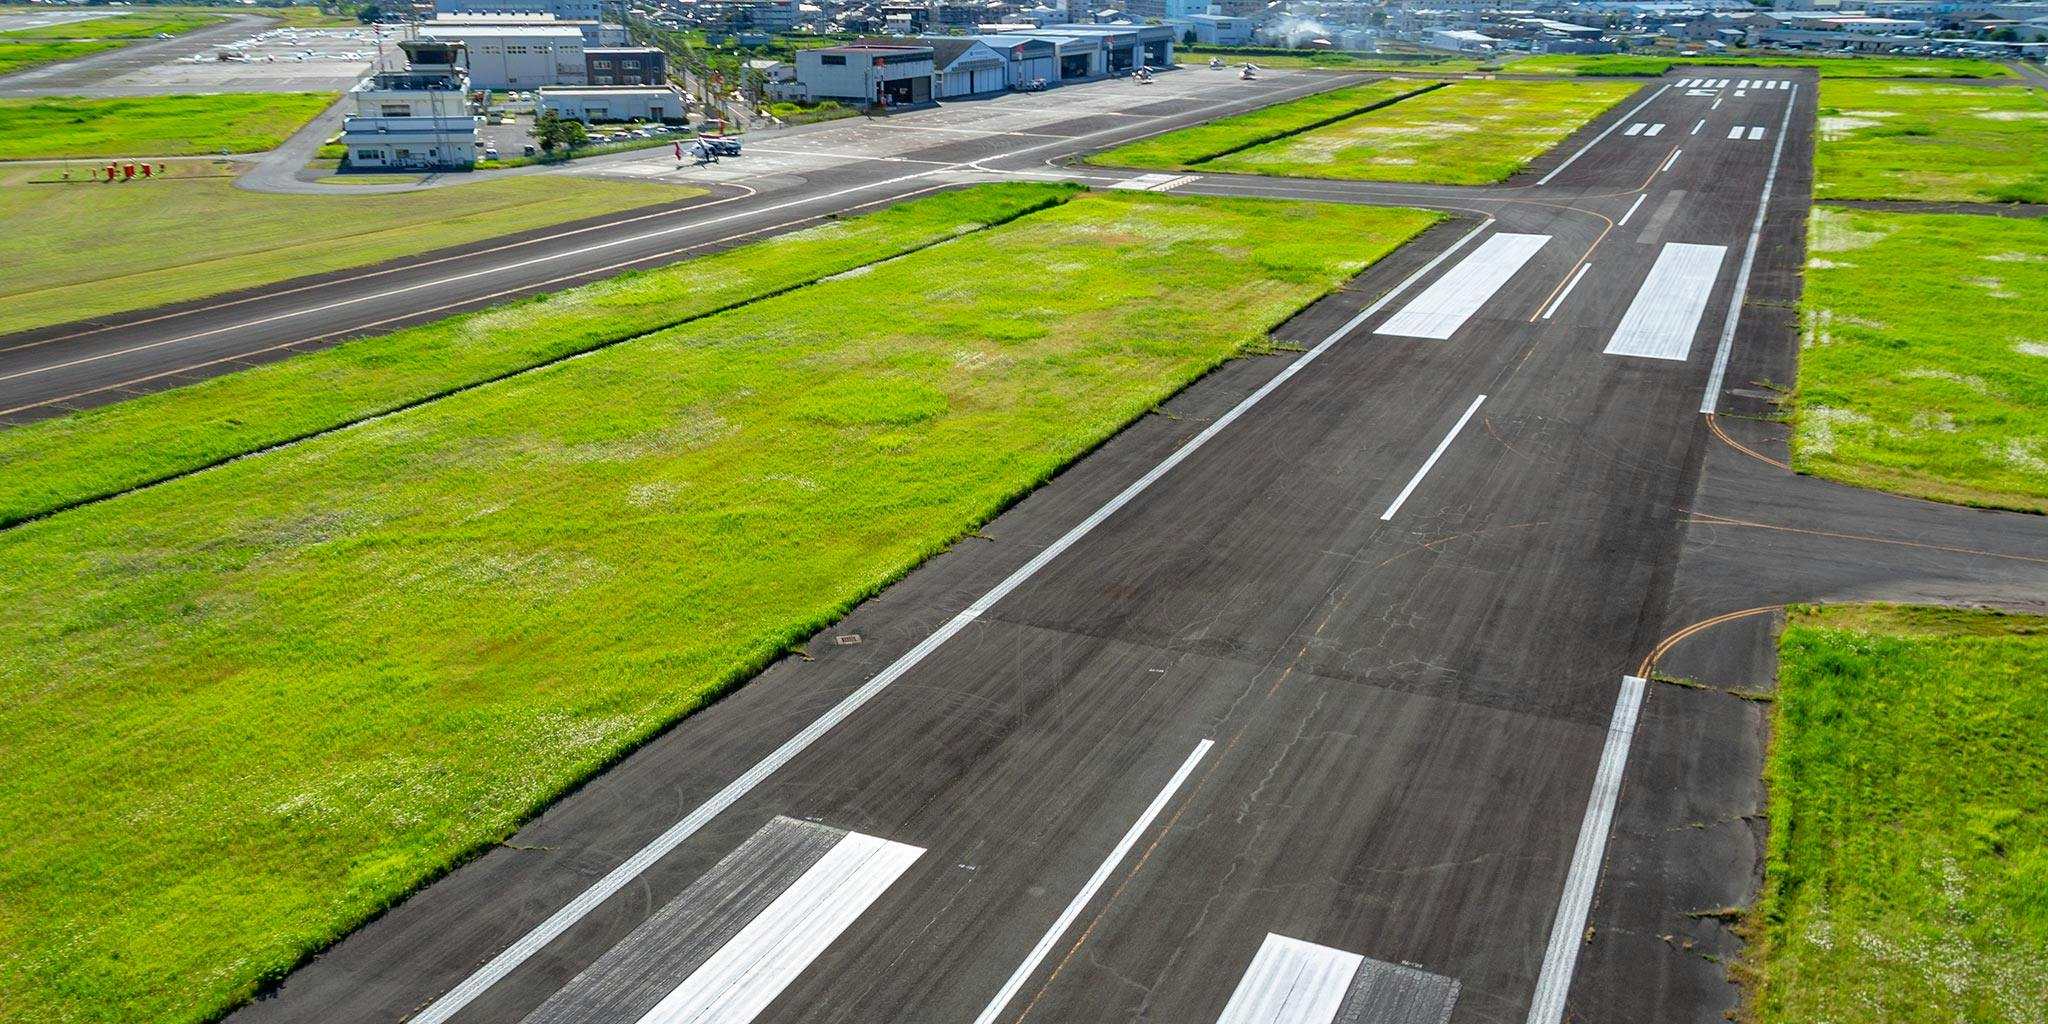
[625,65]
[895,74]
[566,10]
[598,104]
[419,118]
[516,56]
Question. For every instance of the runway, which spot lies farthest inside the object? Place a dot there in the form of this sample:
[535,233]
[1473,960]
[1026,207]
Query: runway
[1316,698]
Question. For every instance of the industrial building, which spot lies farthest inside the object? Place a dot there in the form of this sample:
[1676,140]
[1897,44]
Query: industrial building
[963,66]
[598,104]
[566,10]
[897,75]
[1121,47]
[516,56]
[419,118]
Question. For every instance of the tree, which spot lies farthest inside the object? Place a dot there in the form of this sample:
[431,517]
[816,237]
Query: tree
[369,14]
[552,129]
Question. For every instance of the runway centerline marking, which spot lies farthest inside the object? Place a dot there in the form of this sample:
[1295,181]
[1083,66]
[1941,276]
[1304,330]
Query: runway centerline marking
[1569,285]
[537,938]
[1623,222]
[1038,953]
[1441,447]
[1559,169]
[1567,930]
[1674,159]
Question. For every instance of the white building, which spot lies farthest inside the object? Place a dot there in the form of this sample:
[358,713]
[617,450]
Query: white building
[963,66]
[516,56]
[419,118]
[1217,30]
[593,104]
[567,10]
[897,75]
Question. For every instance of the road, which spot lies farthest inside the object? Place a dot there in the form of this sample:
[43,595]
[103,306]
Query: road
[1319,697]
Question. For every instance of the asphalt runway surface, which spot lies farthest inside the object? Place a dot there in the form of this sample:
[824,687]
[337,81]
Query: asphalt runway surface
[1320,696]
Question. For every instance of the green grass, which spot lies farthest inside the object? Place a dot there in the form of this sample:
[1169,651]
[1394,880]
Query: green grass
[249,708]
[187,236]
[1931,142]
[1828,67]
[1197,56]
[23,56]
[1924,367]
[1191,146]
[139,23]
[1907,871]
[102,451]
[1470,133]
[71,126]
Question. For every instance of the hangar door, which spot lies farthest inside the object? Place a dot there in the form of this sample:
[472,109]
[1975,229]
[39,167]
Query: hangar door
[1029,68]
[989,79]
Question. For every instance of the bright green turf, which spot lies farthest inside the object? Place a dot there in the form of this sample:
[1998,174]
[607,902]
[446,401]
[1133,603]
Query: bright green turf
[1828,67]
[84,249]
[23,56]
[251,707]
[60,462]
[138,24]
[1888,140]
[61,126]
[1907,876]
[1201,142]
[1470,133]
[1924,367]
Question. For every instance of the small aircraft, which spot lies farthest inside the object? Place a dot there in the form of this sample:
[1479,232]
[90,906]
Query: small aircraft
[1143,74]
[1215,63]
[1248,72]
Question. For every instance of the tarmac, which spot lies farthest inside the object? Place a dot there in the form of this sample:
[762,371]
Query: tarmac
[1333,691]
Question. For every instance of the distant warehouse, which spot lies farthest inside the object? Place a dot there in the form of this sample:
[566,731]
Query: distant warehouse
[598,104]
[900,75]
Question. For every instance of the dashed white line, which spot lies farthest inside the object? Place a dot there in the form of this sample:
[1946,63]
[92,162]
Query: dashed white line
[1559,169]
[1441,447]
[1632,208]
[1569,285]
[1094,884]
[1673,160]
[1696,128]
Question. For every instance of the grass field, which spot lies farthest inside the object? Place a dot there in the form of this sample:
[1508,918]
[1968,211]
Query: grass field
[61,126]
[86,249]
[1470,133]
[1924,368]
[251,707]
[140,23]
[1931,142]
[23,56]
[102,451]
[1828,67]
[1907,873]
[1190,146]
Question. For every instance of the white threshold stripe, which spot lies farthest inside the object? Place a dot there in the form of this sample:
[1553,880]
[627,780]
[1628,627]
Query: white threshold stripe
[1756,133]
[1292,982]
[1567,930]
[1559,169]
[1094,885]
[1735,132]
[1441,446]
[1632,208]
[1674,159]
[1712,398]
[1665,314]
[619,877]
[1444,306]
[750,970]
[1655,130]
[1635,129]
[1569,285]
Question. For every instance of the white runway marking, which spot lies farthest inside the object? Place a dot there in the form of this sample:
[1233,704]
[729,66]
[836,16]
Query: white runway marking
[1756,133]
[1735,132]
[1654,130]
[1756,229]
[619,877]
[1674,159]
[1573,283]
[1666,312]
[1632,207]
[1744,85]
[1094,884]
[1291,982]
[1597,139]
[1567,931]
[1635,129]
[1716,106]
[748,972]
[1444,307]
[1742,92]
[1441,446]
[1696,128]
